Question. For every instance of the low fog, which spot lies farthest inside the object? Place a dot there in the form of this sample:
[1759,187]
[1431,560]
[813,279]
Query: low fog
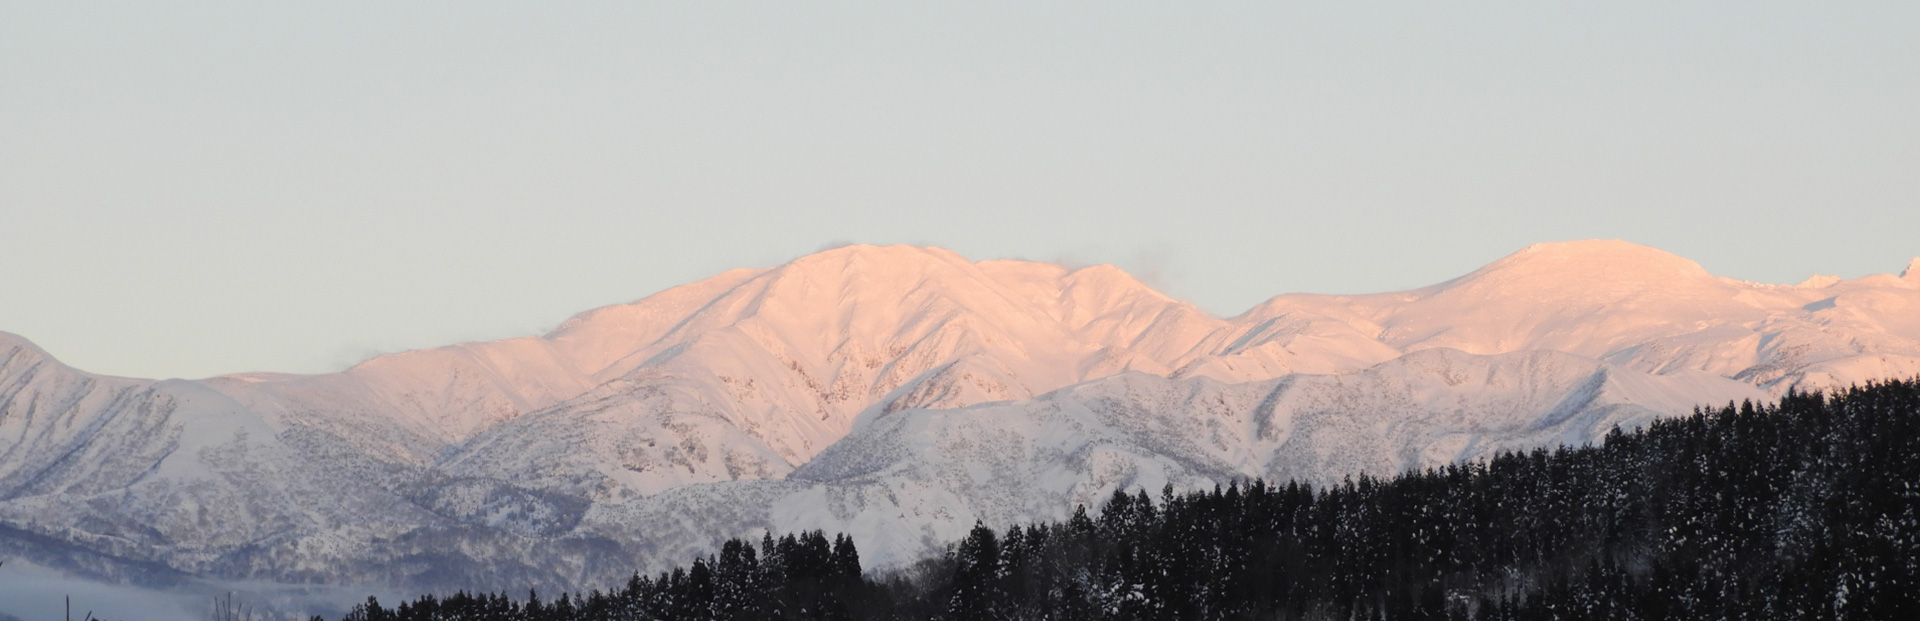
[32,593]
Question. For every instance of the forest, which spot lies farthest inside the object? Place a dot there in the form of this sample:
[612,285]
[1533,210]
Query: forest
[1804,508]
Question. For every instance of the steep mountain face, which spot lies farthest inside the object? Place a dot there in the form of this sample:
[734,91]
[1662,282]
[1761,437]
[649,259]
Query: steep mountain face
[908,482]
[896,393]
[1005,462]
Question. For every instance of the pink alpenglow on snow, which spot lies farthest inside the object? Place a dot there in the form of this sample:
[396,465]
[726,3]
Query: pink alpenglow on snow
[896,393]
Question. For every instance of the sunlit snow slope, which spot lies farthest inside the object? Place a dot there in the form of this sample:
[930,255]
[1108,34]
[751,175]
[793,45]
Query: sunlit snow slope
[897,393]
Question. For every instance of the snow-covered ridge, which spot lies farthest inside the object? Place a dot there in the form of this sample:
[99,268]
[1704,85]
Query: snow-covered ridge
[894,392]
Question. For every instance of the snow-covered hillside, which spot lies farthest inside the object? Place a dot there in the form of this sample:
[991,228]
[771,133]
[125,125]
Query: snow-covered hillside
[897,393]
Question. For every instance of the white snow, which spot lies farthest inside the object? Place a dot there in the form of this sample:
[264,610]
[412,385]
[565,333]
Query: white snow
[897,393]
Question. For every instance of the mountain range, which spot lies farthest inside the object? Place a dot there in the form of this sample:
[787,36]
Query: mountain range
[895,393]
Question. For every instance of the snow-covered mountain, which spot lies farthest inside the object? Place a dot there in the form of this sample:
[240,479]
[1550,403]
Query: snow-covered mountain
[896,393]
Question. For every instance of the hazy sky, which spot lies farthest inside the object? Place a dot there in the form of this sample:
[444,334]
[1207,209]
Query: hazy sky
[191,188]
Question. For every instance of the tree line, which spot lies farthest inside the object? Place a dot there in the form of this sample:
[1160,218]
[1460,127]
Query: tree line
[1804,508]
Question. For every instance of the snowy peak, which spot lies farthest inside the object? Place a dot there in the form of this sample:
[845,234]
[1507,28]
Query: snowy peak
[599,337]
[17,351]
[865,292]
[864,260]
[1604,299]
[1912,273]
[778,364]
[1590,267]
[873,291]
[887,299]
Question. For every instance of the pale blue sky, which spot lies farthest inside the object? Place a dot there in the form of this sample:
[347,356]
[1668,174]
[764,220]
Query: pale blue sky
[192,188]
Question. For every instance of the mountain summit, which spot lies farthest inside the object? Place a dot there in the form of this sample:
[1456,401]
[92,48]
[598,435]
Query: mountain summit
[1596,260]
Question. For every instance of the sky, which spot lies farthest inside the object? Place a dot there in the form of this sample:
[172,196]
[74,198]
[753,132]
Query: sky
[196,188]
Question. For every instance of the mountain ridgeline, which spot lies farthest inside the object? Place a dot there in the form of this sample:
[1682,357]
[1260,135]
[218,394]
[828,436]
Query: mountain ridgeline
[896,394]
[1808,508]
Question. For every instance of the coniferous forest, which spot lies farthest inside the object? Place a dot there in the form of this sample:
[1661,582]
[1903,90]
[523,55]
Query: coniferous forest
[1808,508]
